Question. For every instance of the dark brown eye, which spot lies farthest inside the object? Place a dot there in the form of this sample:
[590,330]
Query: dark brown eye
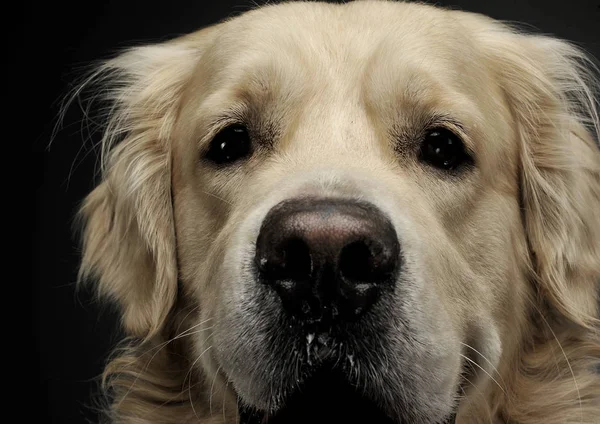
[229,145]
[443,149]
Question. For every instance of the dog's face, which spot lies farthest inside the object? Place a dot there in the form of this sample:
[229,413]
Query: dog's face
[355,196]
[345,204]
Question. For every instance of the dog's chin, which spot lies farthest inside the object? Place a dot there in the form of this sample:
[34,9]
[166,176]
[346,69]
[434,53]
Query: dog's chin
[326,397]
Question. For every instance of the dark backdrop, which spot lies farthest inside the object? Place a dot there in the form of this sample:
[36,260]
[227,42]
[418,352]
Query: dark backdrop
[72,335]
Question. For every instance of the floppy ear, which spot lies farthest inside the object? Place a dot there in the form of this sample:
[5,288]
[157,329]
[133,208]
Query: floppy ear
[128,230]
[551,86]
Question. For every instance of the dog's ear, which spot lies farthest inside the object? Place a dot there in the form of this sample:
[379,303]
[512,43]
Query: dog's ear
[128,229]
[550,85]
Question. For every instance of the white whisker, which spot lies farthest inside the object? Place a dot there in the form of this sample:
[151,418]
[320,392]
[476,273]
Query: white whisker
[212,386]
[483,369]
[159,348]
[218,197]
[486,360]
[566,359]
[190,384]
[480,393]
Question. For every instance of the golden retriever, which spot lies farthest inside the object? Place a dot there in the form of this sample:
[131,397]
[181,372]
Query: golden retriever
[373,212]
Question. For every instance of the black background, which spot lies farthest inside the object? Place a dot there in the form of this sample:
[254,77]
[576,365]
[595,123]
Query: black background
[72,335]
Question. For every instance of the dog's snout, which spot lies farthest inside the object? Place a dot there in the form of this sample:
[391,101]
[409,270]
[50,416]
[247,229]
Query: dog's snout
[327,258]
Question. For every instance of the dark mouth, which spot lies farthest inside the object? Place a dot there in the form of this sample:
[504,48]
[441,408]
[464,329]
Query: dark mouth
[329,390]
[325,398]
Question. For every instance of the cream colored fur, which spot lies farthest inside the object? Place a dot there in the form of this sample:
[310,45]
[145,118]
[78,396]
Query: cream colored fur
[160,221]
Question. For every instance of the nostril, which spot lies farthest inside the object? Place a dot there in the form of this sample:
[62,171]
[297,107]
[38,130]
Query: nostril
[298,262]
[356,262]
[363,267]
[366,261]
[289,261]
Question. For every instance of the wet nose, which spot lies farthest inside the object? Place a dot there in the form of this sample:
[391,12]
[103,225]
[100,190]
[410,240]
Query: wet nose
[327,259]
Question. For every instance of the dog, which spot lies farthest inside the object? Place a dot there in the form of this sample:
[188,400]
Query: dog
[374,212]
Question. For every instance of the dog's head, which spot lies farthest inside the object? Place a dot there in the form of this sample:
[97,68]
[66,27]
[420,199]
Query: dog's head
[378,199]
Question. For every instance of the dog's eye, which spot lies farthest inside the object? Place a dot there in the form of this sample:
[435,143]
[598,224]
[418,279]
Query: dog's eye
[443,149]
[230,144]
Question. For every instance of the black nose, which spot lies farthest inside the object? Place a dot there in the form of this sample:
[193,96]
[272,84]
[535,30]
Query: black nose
[328,259]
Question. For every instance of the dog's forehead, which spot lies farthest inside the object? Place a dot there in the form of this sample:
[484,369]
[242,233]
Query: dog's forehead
[367,50]
[344,38]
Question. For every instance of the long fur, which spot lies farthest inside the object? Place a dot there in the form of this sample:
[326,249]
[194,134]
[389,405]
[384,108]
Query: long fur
[129,245]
